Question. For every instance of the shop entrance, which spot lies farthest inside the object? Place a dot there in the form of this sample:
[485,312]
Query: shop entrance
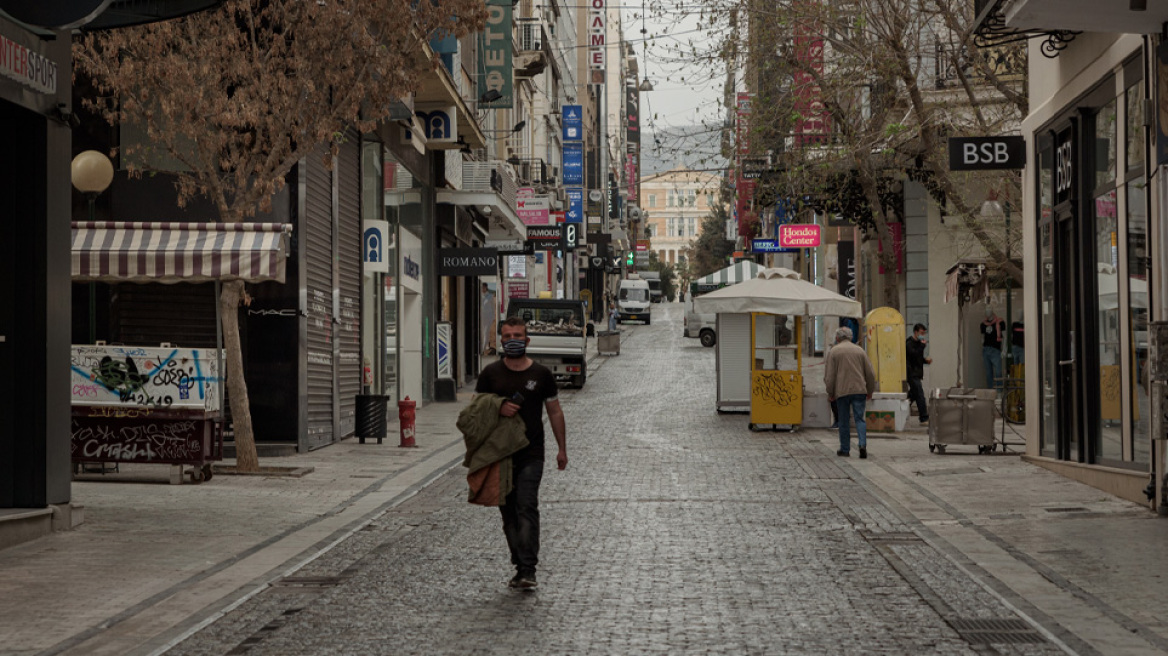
[1069,444]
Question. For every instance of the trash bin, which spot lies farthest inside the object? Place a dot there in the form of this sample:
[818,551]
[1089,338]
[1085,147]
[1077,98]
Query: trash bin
[962,415]
[371,417]
[608,342]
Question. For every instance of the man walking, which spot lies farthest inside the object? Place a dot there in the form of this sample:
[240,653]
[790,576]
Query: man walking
[915,361]
[530,387]
[850,380]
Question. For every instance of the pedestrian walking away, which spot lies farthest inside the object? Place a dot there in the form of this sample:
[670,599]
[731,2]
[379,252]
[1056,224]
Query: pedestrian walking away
[530,388]
[613,316]
[915,362]
[850,381]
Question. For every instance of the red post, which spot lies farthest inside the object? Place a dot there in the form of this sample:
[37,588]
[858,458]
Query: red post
[405,417]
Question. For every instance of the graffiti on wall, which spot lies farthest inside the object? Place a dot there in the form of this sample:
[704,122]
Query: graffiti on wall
[137,440]
[139,377]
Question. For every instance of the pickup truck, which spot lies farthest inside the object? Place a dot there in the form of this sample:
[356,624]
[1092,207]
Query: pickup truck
[557,329]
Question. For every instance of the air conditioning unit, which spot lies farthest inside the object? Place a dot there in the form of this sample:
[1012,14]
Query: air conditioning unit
[531,35]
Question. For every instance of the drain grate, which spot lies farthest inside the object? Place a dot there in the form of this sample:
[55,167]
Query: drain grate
[951,472]
[265,631]
[996,631]
[1066,510]
[308,582]
[891,537]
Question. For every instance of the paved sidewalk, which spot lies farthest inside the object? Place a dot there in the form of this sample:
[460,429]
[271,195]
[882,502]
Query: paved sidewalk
[153,559]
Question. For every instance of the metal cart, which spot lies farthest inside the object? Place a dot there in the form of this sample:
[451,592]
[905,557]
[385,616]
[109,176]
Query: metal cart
[962,416]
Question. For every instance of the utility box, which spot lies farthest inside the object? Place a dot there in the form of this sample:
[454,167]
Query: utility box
[887,412]
[608,342]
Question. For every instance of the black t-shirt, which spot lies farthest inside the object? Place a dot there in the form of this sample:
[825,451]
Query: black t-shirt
[1018,335]
[537,384]
[992,333]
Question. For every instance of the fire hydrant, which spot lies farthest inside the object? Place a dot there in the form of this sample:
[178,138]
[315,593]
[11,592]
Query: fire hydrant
[405,417]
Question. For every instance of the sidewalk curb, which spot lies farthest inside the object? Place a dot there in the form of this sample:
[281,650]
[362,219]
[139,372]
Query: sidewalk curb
[416,477]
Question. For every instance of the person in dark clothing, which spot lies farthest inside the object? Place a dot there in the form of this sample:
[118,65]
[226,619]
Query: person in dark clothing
[531,387]
[993,331]
[915,361]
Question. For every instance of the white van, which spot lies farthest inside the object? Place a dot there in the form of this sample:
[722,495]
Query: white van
[632,300]
[701,326]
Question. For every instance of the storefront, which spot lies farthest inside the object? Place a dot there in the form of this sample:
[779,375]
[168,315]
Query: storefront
[1089,270]
[35,108]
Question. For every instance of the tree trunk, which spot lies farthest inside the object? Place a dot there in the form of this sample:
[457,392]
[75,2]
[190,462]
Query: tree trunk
[885,255]
[246,458]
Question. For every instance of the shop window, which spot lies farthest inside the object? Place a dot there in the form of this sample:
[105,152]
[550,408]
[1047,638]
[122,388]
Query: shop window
[1139,266]
[1105,144]
[1048,360]
[1109,438]
[1134,100]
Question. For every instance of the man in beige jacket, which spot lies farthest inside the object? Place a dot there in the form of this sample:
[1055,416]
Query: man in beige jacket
[850,381]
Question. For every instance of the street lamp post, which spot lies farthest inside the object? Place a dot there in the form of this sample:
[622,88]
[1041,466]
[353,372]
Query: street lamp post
[92,174]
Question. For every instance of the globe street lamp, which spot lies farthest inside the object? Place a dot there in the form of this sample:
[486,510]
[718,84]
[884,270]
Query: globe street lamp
[92,174]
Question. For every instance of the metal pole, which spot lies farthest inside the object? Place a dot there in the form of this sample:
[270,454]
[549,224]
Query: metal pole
[92,286]
[1008,346]
[219,374]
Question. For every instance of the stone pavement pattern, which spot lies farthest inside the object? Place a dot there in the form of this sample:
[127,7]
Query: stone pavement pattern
[674,530]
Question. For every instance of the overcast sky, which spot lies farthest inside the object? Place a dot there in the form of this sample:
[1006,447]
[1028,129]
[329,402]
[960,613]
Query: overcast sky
[684,106]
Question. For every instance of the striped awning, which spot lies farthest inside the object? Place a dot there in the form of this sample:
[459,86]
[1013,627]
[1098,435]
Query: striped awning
[733,274]
[113,251]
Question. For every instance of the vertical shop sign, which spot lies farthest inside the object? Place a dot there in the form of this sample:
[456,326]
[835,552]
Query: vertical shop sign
[633,139]
[812,125]
[597,32]
[573,122]
[846,275]
[575,206]
[495,72]
[573,163]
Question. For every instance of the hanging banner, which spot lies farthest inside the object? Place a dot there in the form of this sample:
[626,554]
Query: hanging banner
[846,274]
[813,124]
[573,116]
[495,71]
[575,212]
[573,163]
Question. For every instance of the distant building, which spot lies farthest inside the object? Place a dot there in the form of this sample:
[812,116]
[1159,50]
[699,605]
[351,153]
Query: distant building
[676,202]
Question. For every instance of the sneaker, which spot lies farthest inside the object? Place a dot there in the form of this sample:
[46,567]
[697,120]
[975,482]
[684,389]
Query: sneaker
[841,452]
[526,581]
[514,582]
[834,426]
[863,453]
[924,421]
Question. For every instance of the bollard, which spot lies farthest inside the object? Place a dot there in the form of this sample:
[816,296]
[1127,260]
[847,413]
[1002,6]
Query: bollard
[405,417]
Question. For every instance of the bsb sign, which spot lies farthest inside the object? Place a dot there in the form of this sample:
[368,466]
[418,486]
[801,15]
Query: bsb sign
[986,153]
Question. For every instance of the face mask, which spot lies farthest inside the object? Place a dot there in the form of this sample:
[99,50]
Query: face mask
[514,348]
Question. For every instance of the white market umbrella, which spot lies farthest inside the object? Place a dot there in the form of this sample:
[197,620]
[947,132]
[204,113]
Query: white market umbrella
[777,291]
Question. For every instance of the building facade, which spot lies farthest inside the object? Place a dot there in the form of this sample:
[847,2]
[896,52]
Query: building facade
[1093,239]
[675,203]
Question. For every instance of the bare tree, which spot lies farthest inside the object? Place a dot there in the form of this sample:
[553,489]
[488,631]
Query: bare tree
[240,94]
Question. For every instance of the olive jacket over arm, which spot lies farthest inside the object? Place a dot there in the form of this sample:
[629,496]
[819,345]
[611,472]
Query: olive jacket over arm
[491,439]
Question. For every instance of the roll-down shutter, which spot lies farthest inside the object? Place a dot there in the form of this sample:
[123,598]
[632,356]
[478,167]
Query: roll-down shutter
[348,249]
[317,227]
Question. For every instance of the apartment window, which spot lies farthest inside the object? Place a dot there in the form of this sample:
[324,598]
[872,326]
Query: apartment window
[671,199]
[692,225]
[652,200]
[693,197]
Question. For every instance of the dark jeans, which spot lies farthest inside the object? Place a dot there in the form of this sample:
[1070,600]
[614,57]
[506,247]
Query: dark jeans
[852,405]
[916,394]
[521,515]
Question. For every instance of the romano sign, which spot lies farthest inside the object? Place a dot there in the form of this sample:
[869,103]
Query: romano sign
[468,262]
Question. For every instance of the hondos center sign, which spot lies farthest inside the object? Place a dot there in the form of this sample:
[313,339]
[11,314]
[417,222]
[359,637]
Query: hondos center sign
[798,236]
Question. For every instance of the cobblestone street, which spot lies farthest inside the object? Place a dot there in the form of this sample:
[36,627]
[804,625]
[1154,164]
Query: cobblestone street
[674,530]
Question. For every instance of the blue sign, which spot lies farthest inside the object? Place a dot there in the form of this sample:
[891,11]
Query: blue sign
[375,245]
[768,246]
[573,118]
[574,164]
[575,206]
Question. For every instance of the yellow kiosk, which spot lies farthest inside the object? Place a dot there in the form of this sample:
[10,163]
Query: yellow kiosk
[776,375]
[760,336]
[884,328]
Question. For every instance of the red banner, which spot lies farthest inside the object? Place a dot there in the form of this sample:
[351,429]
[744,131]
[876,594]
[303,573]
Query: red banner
[814,125]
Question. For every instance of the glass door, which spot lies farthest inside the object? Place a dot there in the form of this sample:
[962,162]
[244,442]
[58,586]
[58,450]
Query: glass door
[1069,444]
